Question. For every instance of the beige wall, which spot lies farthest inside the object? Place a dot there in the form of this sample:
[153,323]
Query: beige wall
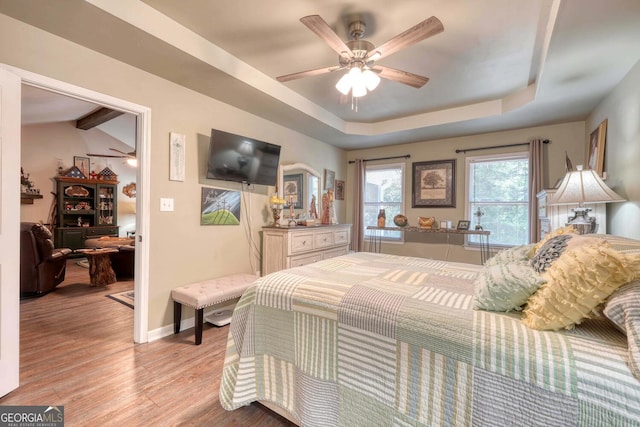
[567,137]
[181,250]
[621,108]
[44,146]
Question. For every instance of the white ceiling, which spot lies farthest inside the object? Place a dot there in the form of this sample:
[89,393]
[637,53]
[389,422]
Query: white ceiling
[499,64]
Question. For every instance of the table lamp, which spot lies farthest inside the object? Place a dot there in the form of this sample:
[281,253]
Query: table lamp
[583,187]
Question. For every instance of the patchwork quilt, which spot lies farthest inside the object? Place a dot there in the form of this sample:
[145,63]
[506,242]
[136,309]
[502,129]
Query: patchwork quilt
[372,339]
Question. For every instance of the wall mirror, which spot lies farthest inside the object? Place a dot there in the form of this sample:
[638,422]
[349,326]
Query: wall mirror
[298,183]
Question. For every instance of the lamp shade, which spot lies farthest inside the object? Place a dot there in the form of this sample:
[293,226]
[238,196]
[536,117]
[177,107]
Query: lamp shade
[583,186]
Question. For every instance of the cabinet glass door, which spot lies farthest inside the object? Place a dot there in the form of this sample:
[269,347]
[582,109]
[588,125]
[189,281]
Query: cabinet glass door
[106,205]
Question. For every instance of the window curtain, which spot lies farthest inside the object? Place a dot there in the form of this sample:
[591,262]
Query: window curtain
[357,236]
[536,159]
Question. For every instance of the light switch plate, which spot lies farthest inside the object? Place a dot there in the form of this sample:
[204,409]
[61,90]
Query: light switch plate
[166,204]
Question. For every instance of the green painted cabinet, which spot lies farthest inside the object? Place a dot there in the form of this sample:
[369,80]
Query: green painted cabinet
[85,209]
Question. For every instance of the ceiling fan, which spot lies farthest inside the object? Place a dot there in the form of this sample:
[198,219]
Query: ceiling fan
[130,156]
[122,155]
[358,56]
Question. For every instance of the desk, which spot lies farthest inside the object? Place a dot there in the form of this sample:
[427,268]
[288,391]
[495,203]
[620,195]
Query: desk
[375,238]
[100,271]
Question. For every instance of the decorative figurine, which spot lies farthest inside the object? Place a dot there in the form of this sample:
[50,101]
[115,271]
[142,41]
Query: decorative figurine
[313,213]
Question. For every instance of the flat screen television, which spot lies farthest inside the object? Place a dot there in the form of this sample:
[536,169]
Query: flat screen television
[241,159]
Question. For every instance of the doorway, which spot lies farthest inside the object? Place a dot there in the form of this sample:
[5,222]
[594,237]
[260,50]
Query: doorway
[10,203]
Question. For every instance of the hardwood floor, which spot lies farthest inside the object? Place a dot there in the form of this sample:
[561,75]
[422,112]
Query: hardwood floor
[77,350]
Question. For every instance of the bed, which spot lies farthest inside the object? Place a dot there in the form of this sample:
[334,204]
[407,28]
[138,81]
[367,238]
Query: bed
[374,339]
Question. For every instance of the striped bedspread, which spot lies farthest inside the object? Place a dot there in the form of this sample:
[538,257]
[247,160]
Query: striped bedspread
[371,339]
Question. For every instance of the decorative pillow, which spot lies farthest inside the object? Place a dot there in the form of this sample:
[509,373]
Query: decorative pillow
[623,309]
[576,283]
[516,253]
[556,246]
[505,286]
[557,232]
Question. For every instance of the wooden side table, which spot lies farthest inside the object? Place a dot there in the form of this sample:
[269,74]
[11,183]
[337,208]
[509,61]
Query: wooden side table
[100,271]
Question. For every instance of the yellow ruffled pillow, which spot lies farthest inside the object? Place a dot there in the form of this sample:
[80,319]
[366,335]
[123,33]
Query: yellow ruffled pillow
[557,232]
[576,283]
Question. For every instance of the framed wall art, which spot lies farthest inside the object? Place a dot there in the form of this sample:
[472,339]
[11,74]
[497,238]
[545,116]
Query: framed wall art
[597,141]
[219,207]
[339,190]
[329,178]
[82,163]
[177,142]
[434,184]
[293,190]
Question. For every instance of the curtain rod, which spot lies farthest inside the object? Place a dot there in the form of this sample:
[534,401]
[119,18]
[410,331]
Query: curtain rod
[406,156]
[546,141]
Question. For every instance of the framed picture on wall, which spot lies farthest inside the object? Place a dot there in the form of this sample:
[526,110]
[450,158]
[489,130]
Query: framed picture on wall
[597,141]
[83,164]
[339,191]
[329,178]
[219,207]
[293,190]
[434,184]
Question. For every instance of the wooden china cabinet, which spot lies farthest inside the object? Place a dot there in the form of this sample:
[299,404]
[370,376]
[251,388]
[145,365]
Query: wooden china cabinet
[85,209]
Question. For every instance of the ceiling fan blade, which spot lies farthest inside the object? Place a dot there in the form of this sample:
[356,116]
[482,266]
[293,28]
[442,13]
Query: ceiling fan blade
[107,155]
[308,73]
[131,154]
[427,28]
[400,76]
[319,26]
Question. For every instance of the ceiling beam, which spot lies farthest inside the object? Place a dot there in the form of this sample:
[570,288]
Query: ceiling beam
[96,118]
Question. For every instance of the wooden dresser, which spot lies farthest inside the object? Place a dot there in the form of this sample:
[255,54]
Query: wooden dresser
[293,247]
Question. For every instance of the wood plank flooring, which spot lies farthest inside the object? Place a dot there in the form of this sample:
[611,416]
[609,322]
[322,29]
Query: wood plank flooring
[77,350]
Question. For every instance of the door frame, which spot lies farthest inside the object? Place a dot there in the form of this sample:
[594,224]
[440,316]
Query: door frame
[143,154]
[9,232]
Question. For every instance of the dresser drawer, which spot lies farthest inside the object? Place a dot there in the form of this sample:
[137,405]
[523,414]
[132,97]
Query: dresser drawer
[323,239]
[300,260]
[301,242]
[341,237]
[335,252]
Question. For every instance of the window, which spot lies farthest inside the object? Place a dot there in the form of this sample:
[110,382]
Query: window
[498,186]
[384,189]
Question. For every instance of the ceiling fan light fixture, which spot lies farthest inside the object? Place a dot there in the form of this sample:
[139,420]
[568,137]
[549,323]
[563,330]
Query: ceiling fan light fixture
[132,162]
[358,88]
[344,84]
[371,79]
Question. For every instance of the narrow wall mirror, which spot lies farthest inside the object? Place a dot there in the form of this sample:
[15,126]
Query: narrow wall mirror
[298,183]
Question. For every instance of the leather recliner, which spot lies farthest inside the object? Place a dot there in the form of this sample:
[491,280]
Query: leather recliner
[42,267]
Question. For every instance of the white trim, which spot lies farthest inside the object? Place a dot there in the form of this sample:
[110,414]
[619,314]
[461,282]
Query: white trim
[9,231]
[143,148]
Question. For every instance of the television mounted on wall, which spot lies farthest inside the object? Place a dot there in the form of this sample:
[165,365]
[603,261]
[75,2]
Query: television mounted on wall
[241,159]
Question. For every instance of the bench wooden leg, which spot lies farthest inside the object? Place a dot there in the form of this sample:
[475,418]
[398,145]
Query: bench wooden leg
[177,316]
[199,324]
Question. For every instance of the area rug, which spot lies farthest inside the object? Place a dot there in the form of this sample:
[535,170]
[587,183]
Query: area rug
[125,298]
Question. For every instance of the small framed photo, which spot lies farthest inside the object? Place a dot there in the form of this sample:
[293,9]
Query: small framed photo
[329,179]
[444,225]
[463,224]
[339,193]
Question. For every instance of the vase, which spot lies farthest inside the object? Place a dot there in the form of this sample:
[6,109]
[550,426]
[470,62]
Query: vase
[382,218]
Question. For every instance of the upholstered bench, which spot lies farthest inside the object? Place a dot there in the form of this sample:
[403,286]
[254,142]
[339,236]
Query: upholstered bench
[206,294]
